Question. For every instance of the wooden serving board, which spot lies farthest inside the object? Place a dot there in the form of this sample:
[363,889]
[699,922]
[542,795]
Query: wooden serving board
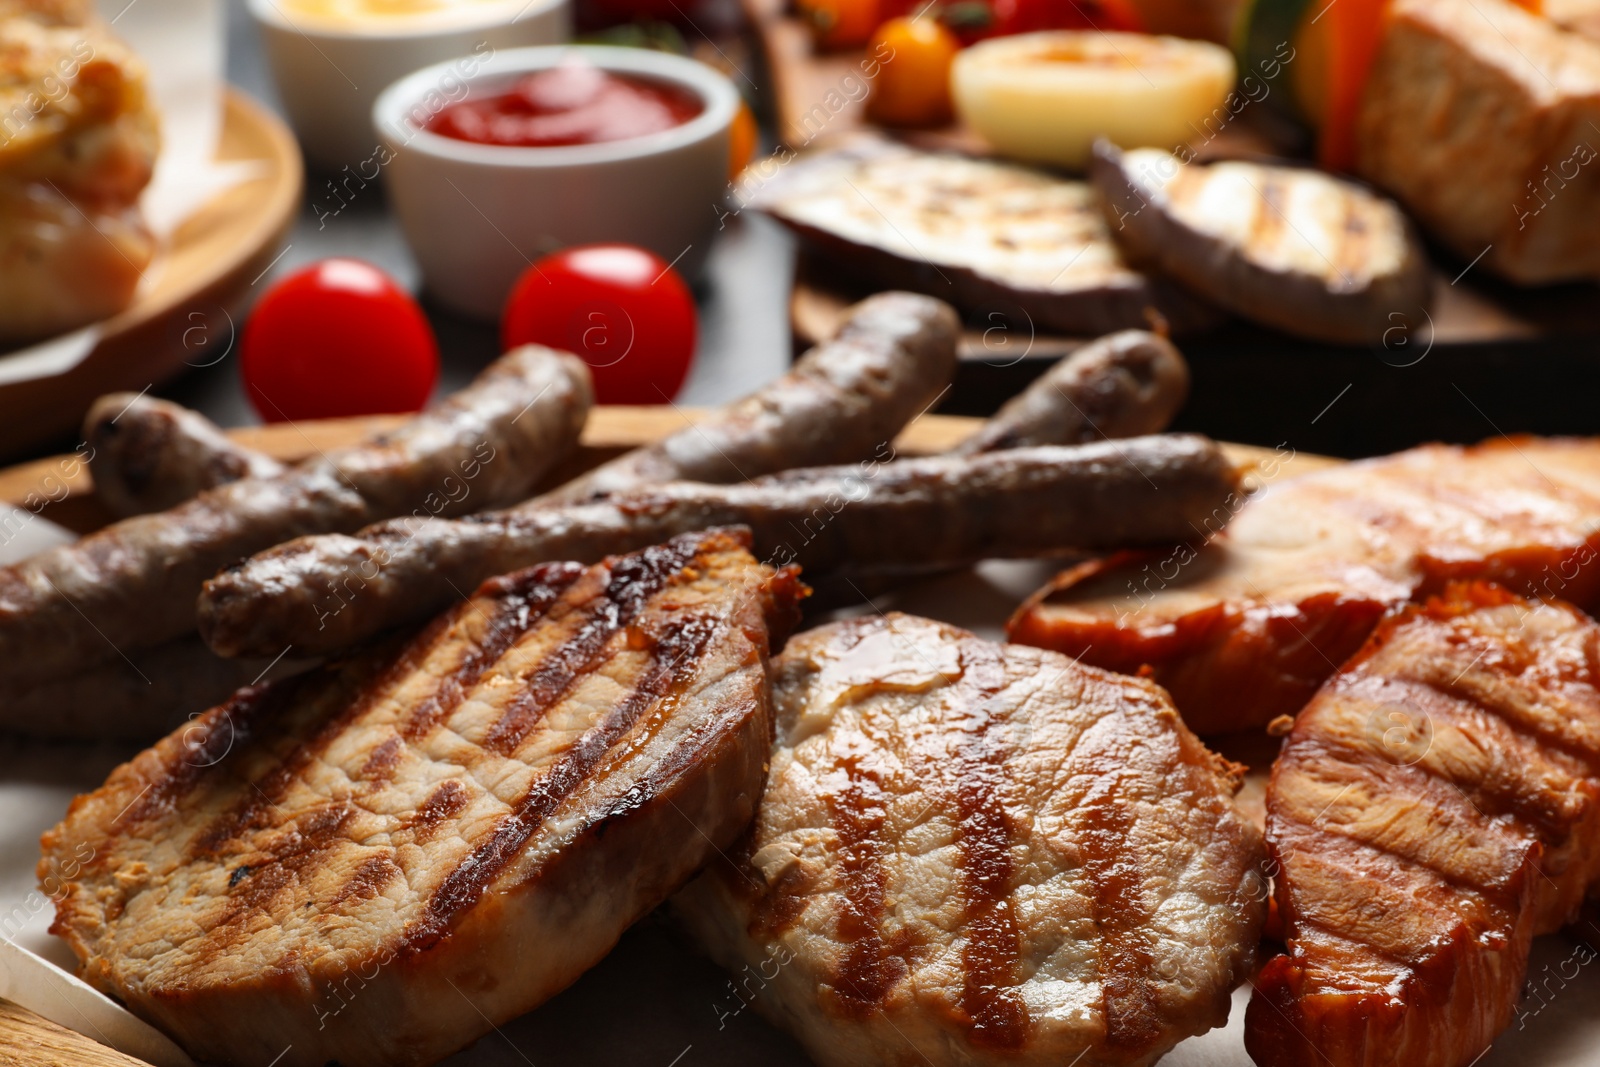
[817,97]
[60,489]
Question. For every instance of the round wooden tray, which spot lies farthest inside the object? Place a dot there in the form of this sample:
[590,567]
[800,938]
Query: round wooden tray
[188,316]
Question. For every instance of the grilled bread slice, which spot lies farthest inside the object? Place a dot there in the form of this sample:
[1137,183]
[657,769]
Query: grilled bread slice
[377,862]
[991,238]
[1248,627]
[1436,806]
[973,853]
[1291,248]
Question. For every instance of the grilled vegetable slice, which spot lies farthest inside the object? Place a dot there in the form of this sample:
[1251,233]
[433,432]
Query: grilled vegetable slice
[1294,249]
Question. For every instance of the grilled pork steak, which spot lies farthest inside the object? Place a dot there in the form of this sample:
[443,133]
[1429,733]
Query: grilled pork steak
[972,853]
[1437,805]
[1247,627]
[376,862]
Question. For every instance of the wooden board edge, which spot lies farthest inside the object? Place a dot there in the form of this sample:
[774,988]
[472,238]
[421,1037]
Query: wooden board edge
[62,484]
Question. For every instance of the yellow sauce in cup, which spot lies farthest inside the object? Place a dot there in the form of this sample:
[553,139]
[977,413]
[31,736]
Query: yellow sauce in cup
[350,13]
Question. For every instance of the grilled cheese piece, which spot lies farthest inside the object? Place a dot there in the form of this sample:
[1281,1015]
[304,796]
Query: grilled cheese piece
[376,862]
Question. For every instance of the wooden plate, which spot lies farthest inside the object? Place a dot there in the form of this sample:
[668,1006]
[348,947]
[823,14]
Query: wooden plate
[205,277]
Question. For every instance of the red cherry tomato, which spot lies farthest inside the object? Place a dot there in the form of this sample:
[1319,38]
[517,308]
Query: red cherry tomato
[337,338]
[623,310]
[1027,16]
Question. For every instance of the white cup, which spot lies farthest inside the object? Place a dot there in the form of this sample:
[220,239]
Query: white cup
[477,215]
[328,74]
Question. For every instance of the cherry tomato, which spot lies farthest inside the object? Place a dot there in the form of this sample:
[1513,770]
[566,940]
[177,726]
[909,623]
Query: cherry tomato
[622,309]
[837,25]
[913,84]
[741,142]
[337,338]
[1026,16]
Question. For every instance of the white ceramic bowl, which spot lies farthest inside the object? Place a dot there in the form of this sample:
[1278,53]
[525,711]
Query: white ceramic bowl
[329,74]
[476,215]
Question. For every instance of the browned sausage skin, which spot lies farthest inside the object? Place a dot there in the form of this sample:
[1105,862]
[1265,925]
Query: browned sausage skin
[891,360]
[324,594]
[150,455]
[1125,384]
[131,586]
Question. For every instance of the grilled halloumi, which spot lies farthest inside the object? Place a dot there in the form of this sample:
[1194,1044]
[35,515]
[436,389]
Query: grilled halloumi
[78,142]
[992,238]
[377,862]
[1436,806]
[1484,120]
[972,853]
[1291,248]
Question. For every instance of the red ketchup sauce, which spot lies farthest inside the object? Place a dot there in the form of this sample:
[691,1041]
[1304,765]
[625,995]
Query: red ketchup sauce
[574,103]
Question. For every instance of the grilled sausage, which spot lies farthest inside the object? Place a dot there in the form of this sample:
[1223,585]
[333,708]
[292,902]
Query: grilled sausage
[1125,384]
[150,455]
[324,594]
[893,357]
[131,586]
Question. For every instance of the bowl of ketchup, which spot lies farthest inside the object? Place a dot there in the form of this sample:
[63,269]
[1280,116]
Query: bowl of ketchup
[551,147]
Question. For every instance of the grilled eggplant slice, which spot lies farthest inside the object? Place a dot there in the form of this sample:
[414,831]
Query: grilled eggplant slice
[1294,249]
[377,862]
[990,238]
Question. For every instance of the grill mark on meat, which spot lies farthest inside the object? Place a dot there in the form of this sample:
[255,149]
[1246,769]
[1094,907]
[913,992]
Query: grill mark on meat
[869,969]
[380,766]
[209,742]
[633,582]
[447,801]
[1437,792]
[997,1016]
[271,789]
[778,905]
[672,663]
[1448,706]
[1119,913]
[368,880]
[295,848]
[523,599]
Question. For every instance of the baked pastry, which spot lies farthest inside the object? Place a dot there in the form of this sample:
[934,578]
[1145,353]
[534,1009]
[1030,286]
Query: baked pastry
[78,142]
